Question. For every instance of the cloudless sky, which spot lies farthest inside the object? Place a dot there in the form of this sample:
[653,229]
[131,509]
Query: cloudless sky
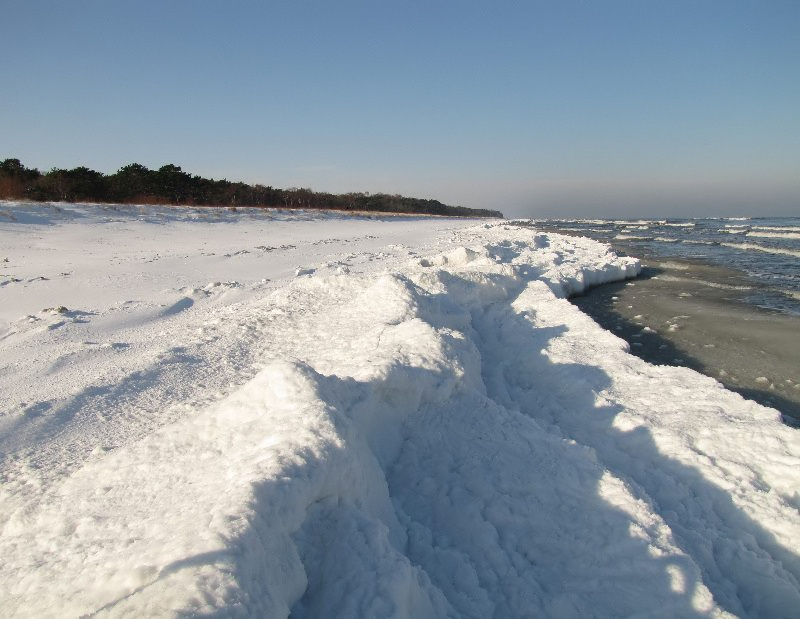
[575,108]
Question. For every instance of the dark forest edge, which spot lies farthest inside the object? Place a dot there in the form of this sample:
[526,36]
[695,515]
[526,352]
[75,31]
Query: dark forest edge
[136,184]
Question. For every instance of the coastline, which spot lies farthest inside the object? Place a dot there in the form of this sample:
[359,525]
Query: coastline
[693,314]
[250,402]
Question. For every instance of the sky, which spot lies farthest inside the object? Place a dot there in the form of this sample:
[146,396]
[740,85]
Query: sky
[606,108]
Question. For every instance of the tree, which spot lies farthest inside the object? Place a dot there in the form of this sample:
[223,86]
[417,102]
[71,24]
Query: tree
[132,182]
[172,183]
[16,181]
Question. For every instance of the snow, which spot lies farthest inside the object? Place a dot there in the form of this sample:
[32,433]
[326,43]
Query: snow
[266,413]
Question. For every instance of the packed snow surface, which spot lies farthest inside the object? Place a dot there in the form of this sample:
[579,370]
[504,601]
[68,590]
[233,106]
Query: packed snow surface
[263,413]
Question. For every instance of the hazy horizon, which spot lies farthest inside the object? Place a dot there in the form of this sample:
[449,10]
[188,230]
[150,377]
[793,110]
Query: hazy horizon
[603,109]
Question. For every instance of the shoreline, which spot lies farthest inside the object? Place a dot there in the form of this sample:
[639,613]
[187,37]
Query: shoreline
[693,314]
[207,385]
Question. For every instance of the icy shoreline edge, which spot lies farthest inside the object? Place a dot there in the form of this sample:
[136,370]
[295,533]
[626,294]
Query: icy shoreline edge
[449,438]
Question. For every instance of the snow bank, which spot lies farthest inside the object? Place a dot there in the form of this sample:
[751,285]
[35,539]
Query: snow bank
[438,434]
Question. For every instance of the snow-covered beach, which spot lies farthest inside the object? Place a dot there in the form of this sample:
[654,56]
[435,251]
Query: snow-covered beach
[261,413]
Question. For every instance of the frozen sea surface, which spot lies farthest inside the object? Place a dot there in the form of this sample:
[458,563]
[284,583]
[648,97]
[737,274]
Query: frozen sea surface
[272,413]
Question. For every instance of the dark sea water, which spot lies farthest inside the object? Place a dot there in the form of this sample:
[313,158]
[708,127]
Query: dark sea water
[766,250]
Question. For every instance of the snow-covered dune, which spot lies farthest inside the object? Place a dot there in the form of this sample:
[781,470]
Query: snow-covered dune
[258,414]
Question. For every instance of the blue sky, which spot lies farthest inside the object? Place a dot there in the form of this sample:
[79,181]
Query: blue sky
[576,108]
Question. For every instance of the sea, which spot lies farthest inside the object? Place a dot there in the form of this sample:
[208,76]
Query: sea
[765,250]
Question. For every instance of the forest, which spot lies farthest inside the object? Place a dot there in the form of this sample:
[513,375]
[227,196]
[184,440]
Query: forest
[136,184]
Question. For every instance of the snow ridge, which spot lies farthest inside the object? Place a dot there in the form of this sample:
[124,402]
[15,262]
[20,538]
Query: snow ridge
[449,438]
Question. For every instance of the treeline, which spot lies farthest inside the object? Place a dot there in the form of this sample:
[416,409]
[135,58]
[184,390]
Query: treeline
[136,184]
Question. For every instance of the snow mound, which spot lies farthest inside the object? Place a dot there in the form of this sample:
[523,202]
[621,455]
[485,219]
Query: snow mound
[449,437]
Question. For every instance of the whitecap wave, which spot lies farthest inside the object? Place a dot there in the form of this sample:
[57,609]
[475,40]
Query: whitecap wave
[636,222]
[678,266]
[778,228]
[630,237]
[769,250]
[774,234]
[702,282]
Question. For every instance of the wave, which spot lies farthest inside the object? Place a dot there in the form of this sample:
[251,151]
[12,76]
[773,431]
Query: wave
[575,229]
[595,222]
[702,282]
[630,237]
[678,266]
[646,224]
[769,250]
[775,235]
[636,222]
[778,228]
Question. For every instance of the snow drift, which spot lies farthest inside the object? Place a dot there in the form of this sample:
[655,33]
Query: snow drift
[438,435]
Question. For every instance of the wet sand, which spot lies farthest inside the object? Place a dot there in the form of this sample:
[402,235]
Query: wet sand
[692,314]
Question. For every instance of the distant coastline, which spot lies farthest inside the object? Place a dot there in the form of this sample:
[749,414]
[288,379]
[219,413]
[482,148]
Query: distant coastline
[136,184]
